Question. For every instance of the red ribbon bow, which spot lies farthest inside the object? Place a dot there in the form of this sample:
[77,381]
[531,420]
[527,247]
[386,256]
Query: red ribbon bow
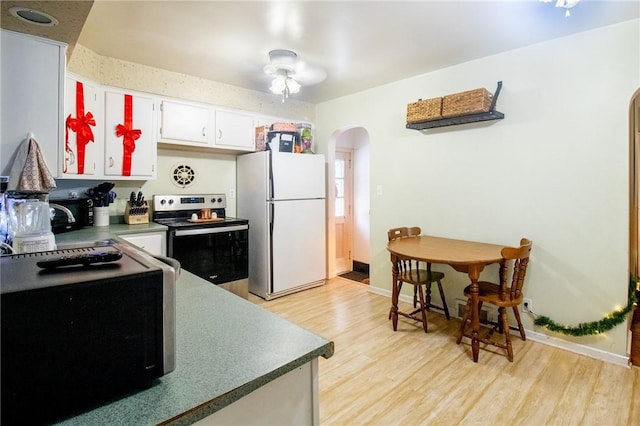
[129,135]
[81,126]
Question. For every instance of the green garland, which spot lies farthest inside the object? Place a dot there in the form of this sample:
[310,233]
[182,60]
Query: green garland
[595,327]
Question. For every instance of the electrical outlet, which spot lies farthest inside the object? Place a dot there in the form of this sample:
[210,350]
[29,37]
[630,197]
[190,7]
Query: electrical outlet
[527,305]
[232,193]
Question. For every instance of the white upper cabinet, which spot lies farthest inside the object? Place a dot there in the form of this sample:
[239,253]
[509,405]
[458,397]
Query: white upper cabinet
[83,145]
[130,137]
[32,72]
[184,123]
[235,131]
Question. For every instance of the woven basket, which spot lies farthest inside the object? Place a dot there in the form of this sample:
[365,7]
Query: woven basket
[469,102]
[424,110]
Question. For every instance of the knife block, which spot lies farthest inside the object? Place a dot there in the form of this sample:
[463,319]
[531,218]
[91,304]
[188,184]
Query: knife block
[134,215]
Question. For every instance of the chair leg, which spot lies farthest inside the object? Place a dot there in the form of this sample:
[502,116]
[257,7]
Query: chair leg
[393,312]
[427,297]
[423,308]
[415,296]
[465,318]
[444,302]
[520,327]
[504,321]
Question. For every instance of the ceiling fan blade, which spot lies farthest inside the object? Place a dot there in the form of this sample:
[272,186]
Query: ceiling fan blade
[307,74]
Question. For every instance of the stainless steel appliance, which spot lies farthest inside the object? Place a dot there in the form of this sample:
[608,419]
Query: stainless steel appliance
[71,214]
[283,196]
[204,240]
[76,336]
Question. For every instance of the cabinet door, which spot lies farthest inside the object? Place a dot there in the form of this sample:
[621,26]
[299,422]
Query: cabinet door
[152,242]
[184,123]
[130,146]
[234,131]
[32,71]
[84,127]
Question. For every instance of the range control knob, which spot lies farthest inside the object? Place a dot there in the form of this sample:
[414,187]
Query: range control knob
[213,200]
[162,202]
[170,202]
[219,200]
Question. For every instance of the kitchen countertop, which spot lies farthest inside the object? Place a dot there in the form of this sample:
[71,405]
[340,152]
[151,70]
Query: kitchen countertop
[226,347]
[97,233]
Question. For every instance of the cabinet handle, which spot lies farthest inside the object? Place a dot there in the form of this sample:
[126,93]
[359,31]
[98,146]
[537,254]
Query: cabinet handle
[219,133]
[204,131]
[110,161]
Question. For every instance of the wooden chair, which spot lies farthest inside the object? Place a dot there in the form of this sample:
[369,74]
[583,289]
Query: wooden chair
[502,296]
[409,271]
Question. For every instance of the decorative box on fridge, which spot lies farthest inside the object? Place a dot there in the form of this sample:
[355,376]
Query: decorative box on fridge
[262,137]
[284,127]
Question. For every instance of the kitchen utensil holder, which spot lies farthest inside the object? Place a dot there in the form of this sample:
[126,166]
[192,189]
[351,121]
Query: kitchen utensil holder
[134,215]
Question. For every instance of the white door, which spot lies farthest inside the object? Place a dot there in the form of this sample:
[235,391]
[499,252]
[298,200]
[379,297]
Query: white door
[130,145]
[344,211]
[234,130]
[182,122]
[84,123]
[299,242]
[298,176]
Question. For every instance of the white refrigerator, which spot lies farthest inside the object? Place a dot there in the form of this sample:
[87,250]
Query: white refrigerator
[283,197]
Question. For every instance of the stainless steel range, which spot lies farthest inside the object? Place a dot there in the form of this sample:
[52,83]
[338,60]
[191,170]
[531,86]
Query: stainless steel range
[204,240]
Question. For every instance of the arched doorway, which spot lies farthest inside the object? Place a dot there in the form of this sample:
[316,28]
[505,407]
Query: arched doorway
[354,139]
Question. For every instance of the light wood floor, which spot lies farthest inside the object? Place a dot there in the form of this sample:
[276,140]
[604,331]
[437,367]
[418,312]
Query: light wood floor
[381,377]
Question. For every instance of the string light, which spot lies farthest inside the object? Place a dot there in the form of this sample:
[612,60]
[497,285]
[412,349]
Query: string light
[594,327]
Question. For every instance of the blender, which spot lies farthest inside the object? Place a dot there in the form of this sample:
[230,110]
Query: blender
[29,222]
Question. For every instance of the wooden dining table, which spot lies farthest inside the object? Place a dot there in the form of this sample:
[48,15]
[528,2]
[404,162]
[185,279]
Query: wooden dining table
[469,257]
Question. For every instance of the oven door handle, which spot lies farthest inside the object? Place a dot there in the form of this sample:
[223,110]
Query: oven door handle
[217,230]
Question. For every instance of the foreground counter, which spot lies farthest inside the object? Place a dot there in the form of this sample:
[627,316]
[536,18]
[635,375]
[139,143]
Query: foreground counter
[236,363]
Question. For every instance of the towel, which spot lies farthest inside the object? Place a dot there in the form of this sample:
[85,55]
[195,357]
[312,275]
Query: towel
[29,171]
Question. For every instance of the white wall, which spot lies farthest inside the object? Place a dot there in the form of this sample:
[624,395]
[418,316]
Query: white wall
[555,170]
[361,183]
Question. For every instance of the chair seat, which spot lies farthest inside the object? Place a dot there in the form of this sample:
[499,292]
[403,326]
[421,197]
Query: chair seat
[490,293]
[420,276]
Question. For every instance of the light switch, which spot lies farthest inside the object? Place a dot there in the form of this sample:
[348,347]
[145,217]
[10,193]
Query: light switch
[232,193]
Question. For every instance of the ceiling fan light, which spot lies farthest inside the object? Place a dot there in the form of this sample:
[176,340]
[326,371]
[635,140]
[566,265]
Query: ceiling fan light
[278,85]
[294,86]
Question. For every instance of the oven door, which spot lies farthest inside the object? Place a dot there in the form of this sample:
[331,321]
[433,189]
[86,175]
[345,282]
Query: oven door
[217,254]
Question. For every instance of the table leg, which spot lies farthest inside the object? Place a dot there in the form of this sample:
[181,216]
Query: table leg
[474,275]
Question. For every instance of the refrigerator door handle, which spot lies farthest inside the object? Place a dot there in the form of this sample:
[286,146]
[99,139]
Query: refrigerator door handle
[272,214]
[271,195]
[271,221]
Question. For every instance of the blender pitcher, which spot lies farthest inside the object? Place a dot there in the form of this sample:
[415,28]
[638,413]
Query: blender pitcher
[29,220]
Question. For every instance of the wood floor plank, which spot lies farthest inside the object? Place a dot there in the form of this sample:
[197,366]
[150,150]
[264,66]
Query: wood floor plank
[409,377]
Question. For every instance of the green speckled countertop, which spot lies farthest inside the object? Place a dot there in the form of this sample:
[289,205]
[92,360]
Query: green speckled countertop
[226,347]
[96,233]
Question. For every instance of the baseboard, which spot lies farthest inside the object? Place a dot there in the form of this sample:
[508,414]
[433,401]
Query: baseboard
[535,336]
[609,357]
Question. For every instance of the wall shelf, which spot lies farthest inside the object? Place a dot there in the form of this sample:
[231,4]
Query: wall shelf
[492,114]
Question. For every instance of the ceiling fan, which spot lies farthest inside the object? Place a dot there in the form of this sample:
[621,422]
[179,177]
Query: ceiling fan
[289,73]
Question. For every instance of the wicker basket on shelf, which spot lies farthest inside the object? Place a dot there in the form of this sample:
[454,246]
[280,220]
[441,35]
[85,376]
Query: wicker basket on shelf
[424,110]
[469,102]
